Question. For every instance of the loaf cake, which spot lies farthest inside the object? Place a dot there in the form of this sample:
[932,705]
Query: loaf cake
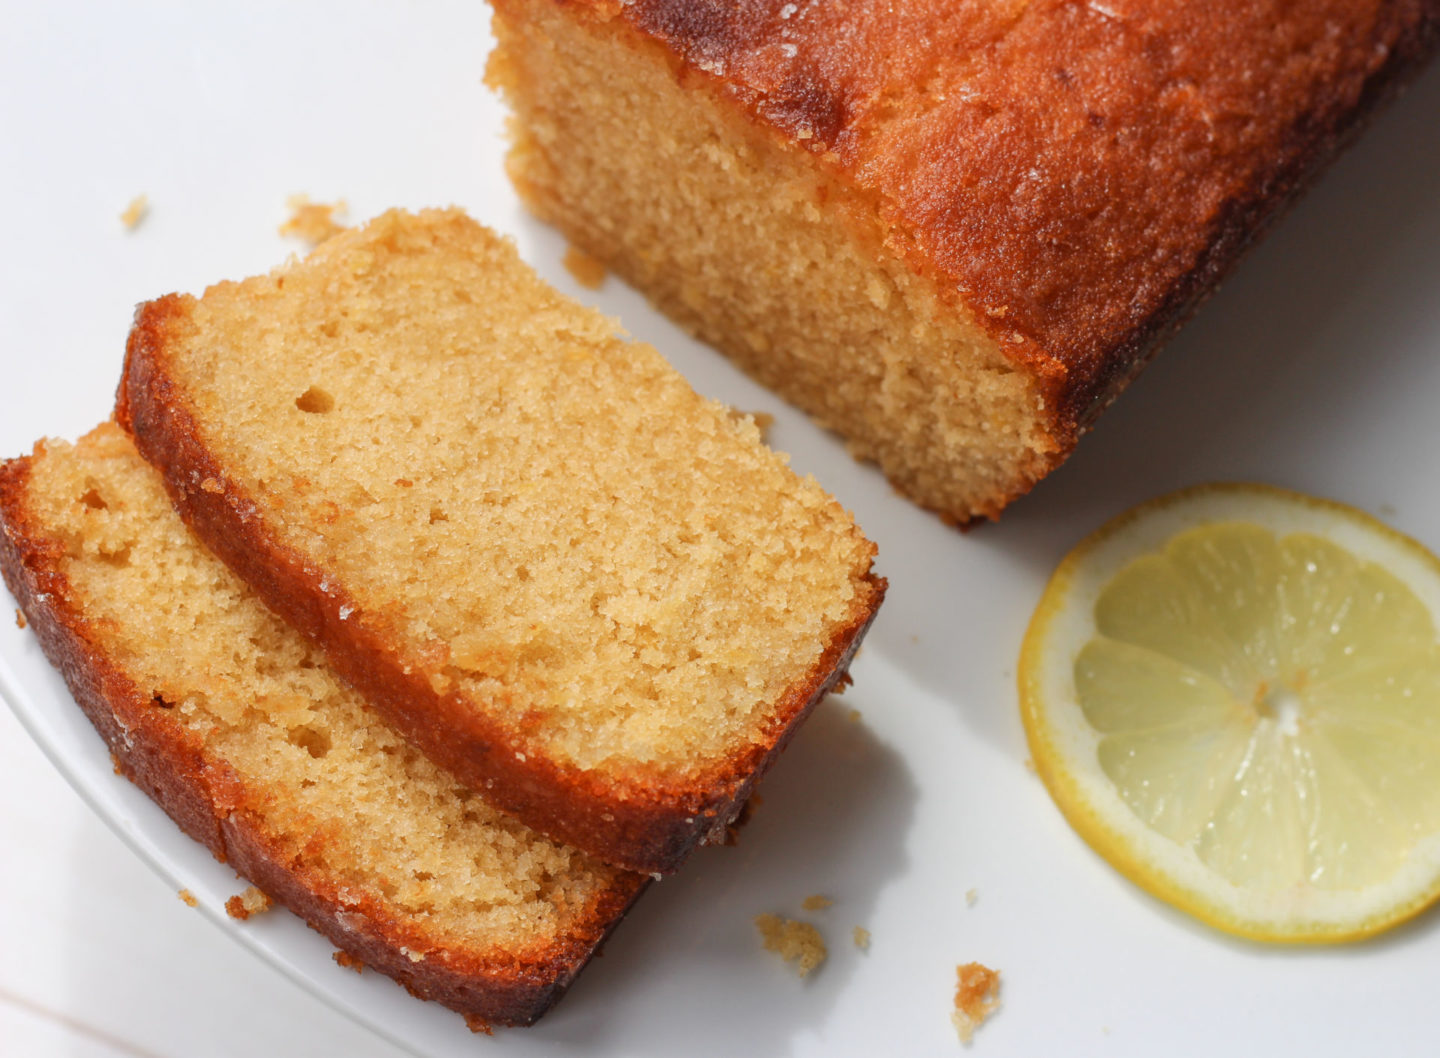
[593,596]
[234,725]
[950,230]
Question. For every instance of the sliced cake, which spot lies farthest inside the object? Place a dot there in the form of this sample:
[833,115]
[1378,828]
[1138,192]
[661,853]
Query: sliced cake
[233,723]
[592,595]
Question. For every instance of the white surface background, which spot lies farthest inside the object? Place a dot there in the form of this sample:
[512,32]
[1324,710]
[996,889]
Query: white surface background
[1316,368]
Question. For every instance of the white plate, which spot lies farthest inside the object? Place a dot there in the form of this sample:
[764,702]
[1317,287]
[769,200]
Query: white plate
[1316,369]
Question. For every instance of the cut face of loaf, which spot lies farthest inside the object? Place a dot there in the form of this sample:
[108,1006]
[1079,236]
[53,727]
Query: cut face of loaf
[234,725]
[950,230]
[592,595]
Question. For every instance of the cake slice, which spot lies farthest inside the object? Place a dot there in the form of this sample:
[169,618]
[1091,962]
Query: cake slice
[954,230]
[233,724]
[593,596]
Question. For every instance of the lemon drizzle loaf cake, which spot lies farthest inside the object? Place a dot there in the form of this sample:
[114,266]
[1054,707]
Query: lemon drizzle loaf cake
[592,595]
[233,724]
[951,230]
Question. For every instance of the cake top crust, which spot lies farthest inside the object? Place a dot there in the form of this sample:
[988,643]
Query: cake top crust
[1077,172]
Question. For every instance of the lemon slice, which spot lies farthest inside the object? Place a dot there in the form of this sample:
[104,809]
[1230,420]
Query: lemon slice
[1233,694]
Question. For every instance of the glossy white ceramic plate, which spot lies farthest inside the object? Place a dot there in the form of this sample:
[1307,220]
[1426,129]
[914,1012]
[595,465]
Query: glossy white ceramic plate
[1318,368]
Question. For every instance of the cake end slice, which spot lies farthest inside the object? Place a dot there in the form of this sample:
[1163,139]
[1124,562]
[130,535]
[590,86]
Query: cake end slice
[953,232]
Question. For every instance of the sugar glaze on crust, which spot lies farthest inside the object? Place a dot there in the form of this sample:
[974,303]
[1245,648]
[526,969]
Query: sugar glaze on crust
[213,805]
[640,821]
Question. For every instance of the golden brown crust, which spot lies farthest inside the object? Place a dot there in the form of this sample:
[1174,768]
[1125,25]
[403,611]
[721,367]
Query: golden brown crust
[1081,174]
[641,822]
[211,804]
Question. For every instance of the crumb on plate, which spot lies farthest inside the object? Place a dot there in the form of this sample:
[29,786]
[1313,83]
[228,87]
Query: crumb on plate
[816,902]
[977,995]
[795,941]
[188,897]
[861,936]
[313,222]
[135,212]
[251,902]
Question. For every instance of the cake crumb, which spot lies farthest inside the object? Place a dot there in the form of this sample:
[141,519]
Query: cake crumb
[313,222]
[584,269]
[861,936]
[971,895]
[977,995]
[475,1023]
[188,897]
[20,621]
[795,941]
[816,902]
[251,902]
[854,716]
[135,212]
[763,420]
[345,959]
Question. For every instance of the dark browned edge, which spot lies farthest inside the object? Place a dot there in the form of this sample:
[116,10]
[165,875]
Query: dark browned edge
[1247,220]
[640,821]
[1073,402]
[208,800]
[1308,152]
